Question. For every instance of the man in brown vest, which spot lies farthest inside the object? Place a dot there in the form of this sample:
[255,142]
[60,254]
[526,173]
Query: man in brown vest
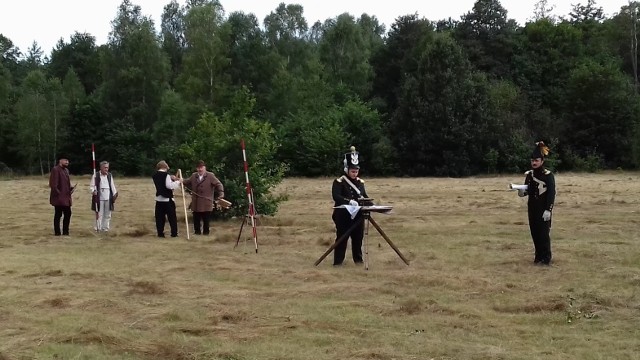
[165,206]
[205,189]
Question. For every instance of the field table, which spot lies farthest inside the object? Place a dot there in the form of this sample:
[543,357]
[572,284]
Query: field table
[367,219]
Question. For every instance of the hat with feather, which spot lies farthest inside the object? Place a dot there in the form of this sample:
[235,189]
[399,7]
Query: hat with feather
[351,160]
[540,151]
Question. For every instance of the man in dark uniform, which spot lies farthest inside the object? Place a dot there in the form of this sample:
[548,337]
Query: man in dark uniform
[349,190]
[541,189]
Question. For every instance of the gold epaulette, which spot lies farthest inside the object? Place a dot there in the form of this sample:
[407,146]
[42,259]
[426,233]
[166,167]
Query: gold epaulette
[362,181]
[547,172]
[528,172]
[339,179]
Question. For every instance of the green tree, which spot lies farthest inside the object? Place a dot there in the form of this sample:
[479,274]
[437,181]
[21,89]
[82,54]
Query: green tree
[135,69]
[171,128]
[9,56]
[7,128]
[251,62]
[487,35]
[202,79]
[172,34]
[59,112]
[621,33]
[544,11]
[547,54]
[345,52]
[87,124]
[33,59]
[362,127]
[34,125]
[508,136]
[298,106]
[601,113]
[588,19]
[286,29]
[128,148]
[217,141]
[80,54]
[439,127]
[286,32]
[399,57]
[73,88]
[321,140]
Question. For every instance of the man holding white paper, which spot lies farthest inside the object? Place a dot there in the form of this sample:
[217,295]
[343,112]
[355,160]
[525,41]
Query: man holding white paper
[540,186]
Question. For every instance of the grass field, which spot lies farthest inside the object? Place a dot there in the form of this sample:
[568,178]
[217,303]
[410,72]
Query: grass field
[470,292]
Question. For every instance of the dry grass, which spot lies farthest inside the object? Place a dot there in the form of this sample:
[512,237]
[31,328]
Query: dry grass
[471,291]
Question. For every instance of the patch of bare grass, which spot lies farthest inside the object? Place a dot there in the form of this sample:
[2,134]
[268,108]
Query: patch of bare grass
[138,232]
[43,273]
[145,288]
[57,302]
[226,237]
[410,306]
[54,273]
[90,336]
[535,306]
[233,317]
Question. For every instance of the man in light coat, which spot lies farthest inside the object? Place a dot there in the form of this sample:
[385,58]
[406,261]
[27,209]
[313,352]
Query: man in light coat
[205,189]
[104,195]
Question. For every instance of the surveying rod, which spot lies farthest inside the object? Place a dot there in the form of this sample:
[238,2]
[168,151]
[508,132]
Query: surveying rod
[249,195]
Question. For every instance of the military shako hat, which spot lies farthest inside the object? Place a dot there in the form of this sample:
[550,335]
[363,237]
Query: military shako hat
[351,160]
[540,151]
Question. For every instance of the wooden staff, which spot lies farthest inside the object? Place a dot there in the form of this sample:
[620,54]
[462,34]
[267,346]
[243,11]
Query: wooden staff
[184,203]
[250,198]
[366,246]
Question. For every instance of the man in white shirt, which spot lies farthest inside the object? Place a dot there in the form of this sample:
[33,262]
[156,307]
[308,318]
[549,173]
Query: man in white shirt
[165,206]
[104,196]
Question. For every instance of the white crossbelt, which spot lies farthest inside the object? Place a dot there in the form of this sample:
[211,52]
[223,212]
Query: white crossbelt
[351,184]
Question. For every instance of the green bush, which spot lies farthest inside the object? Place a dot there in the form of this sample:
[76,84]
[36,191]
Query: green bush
[217,141]
[591,162]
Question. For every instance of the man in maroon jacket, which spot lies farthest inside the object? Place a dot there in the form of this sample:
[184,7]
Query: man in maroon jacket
[60,197]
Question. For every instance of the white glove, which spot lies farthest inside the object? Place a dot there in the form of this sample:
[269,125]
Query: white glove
[546,215]
[521,192]
[353,203]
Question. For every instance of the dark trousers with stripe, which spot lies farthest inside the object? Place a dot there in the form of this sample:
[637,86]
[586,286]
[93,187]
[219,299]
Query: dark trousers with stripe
[540,234]
[343,222]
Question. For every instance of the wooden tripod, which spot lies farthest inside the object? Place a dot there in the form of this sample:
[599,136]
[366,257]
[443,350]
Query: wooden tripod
[366,216]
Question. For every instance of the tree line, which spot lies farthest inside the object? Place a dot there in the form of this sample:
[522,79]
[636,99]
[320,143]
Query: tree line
[428,97]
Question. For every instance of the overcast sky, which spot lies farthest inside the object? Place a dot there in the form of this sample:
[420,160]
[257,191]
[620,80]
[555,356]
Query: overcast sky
[46,21]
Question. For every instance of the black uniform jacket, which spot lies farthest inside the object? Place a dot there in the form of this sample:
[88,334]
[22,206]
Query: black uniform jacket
[541,189]
[343,192]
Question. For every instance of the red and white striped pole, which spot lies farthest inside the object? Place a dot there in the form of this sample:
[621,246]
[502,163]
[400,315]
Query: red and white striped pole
[93,157]
[95,199]
[252,211]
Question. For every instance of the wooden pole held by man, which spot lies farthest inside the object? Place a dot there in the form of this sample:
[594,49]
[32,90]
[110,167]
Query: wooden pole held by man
[184,203]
